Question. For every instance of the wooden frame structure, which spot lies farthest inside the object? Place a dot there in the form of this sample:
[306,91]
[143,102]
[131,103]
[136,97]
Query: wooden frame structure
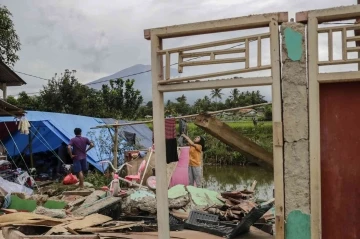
[162,83]
[313,18]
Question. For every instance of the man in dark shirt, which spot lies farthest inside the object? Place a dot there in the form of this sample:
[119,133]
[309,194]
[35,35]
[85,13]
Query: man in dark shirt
[77,151]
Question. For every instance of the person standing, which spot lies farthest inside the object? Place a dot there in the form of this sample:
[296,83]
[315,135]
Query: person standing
[77,151]
[195,159]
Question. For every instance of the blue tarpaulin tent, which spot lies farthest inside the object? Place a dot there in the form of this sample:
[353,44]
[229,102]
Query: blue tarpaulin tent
[50,129]
[142,131]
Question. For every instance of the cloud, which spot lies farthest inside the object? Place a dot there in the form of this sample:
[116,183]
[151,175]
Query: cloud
[100,39]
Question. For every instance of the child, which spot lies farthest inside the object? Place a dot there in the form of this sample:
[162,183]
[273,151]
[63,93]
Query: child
[195,156]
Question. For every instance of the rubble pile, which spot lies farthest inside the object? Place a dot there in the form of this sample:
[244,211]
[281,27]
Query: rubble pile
[91,211]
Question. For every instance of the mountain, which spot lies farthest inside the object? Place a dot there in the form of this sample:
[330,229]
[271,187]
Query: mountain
[144,84]
[142,80]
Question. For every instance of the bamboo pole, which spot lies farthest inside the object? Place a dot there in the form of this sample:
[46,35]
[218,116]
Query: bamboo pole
[30,150]
[146,167]
[182,117]
[116,136]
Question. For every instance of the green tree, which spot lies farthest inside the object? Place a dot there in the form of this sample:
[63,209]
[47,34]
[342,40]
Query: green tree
[121,100]
[9,40]
[182,107]
[217,95]
[268,113]
[65,94]
[25,101]
[234,94]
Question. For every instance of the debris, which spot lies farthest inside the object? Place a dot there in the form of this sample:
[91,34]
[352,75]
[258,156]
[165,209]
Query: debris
[72,231]
[54,204]
[25,218]
[89,221]
[106,206]
[203,197]
[11,187]
[54,213]
[93,197]
[177,191]
[22,204]
[80,193]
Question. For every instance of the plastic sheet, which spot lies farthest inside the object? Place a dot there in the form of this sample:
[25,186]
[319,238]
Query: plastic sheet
[11,187]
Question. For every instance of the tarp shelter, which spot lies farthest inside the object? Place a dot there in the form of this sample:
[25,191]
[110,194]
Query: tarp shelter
[50,129]
[142,131]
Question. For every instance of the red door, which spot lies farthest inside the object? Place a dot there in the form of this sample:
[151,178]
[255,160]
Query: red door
[340,160]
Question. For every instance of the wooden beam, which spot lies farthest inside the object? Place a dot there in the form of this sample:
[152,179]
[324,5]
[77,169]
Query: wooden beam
[162,203]
[215,52]
[215,74]
[338,29]
[214,43]
[213,84]
[277,130]
[213,62]
[330,14]
[229,136]
[222,25]
[349,76]
[314,129]
[4,90]
[339,62]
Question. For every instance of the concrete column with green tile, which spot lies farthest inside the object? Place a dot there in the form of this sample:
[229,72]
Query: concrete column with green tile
[296,132]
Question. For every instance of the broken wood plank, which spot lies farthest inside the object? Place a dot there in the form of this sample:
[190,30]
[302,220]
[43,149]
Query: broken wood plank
[76,202]
[71,231]
[107,229]
[89,221]
[80,193]
[12,233]
[252,189]
[102,204]
[229,136]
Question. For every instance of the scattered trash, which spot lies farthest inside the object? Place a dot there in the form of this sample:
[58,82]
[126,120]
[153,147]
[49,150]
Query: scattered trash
[70,179]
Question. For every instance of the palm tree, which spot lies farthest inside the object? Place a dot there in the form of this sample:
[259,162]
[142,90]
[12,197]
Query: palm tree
[234,94]
[217,94]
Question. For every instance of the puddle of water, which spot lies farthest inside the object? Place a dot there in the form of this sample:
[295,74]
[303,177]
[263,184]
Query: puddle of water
[228,178]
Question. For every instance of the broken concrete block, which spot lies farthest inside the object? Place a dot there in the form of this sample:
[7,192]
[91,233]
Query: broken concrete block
[55,213]
[203,197]
[109,206]
[177,191]
[93,197]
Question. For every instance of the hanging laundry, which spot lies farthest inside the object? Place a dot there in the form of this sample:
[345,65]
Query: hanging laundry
[130,137]
[182,130]
[24,126]
[170,128]
[171,142]
[182,126]
[170,139]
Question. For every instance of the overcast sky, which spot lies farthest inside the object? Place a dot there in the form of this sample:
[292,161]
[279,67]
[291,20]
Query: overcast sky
[98,38]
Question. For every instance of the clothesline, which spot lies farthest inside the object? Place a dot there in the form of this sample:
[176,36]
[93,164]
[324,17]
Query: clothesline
[181,117]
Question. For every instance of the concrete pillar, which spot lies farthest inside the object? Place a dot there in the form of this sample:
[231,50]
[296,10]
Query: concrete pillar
[296,131]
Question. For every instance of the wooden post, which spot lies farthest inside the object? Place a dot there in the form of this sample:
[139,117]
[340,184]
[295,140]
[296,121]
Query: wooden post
[4,90]
[30,150]
[277,130]
[159,138]
[116,136]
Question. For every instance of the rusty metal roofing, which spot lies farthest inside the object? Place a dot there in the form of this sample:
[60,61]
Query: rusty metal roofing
[9,77]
